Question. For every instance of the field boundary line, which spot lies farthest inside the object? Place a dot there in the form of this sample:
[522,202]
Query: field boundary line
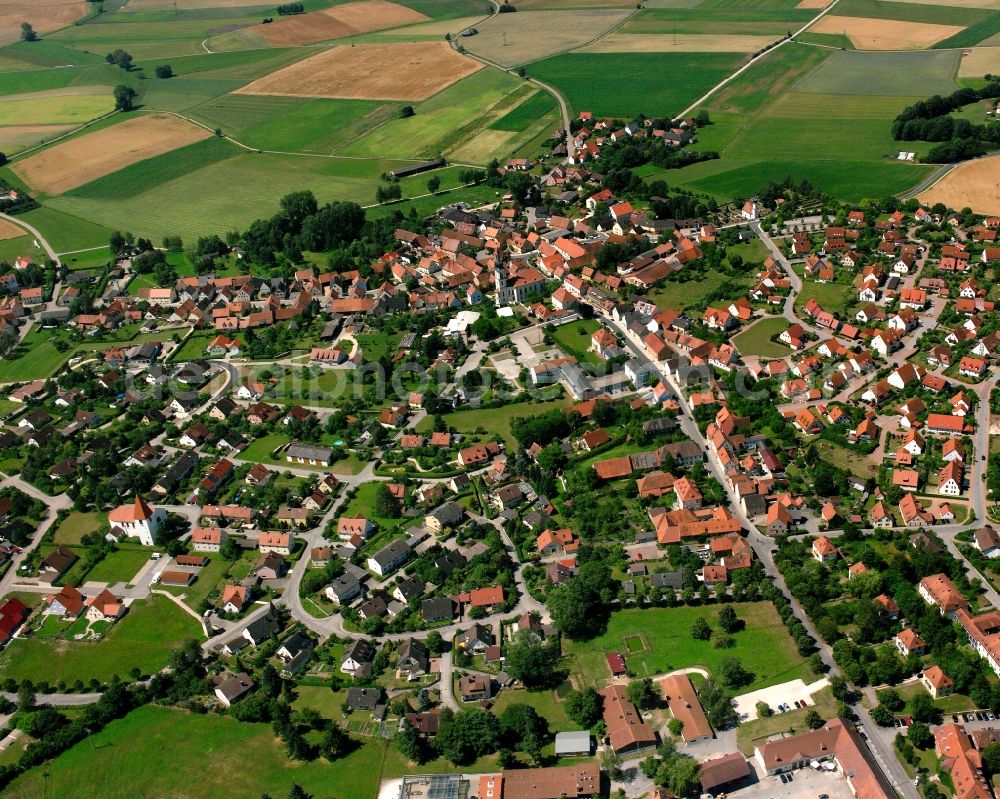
[760,57]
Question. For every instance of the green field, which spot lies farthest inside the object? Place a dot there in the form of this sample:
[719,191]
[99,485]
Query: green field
[57,110]
[76,525]
[436,122]
[493,420]
[901,74]
[721,16]
[644,91]
[764,646]
[574,339]
[119,566]
[527,113]
[985,31]
[145,637]
[756,340]
[950,14]
[127,760]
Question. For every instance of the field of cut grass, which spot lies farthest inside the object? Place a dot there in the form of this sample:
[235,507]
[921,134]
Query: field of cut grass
[574,339]
[986,31]
[903,74]
[645,91]
[720,17]
[145,637]
[66,231]
[120,566]
[764,646]
[523,116]
[127,760]
[756,340]
[952,14]
[493,420]
[56,109]
[76,525]
[436,124]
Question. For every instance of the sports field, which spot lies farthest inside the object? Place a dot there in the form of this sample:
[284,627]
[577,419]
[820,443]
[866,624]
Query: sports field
[80,160]
[398,71]
[511,39]
[972,184]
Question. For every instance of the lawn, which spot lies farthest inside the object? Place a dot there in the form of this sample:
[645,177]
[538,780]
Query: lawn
[492,420]
[76,525]
[210,579]
[145,637]
[853,462]
[681,294]
[545,703]
[128,756]
[756,340]
[574,339]
[120,566]
[764,646]
[363,504]
[376,346]
[193,348]
[644,91]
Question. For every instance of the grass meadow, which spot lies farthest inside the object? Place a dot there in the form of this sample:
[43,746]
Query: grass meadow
[763,646]
[645,91]
[756,340]
[144,637]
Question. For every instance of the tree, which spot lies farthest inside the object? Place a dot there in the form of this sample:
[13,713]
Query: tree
[882,716]
[518,721]
[676,727]
[28,33]
[164,71]
[814,720]
[25,696]
[922,708]
[528,660]
[406,111]
[336,743]
[920,735]
[120,58]
[584,707]
[733,674]
[991,758]
[469,734]
[3,158]
[890,698]
[297,792]
[124,98]
[701,630]
[764,710]
[411,745]
[386,505]
[728,621]
[642,694]
[433,184]
[434,643]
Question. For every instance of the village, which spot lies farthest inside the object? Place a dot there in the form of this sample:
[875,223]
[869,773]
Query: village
[560,499]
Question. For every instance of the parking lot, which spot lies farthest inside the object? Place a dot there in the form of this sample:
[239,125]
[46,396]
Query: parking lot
[776,696]
[805,784]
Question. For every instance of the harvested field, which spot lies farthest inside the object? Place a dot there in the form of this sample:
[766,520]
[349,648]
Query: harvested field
[681,43]
[511,39]
[337,22]
[8,230]
[437,28]
[994,4]
[44,16]
[817,4]
[980,61]
[885,34]
[81,160]
[186,5]
[14,138]
[972,184]
[399,71]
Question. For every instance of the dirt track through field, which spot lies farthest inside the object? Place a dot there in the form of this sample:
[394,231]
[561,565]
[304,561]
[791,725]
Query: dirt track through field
[81,160]
[8,230]
[338,22]
[397,71]
[681,43]
[973,184]
[885,34]
[43,16]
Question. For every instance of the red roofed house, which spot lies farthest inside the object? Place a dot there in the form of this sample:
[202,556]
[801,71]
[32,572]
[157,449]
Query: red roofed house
[138,520]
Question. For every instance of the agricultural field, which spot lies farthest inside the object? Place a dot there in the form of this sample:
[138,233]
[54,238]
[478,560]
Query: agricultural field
[45,17]
[682,43]
[971,184]
[512,39]
[81,160]
[645,91]
[338,22]
[882,34]
[8,230]
[979,61]
[398,71]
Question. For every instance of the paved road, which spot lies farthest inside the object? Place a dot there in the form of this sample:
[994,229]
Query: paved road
[53,255]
